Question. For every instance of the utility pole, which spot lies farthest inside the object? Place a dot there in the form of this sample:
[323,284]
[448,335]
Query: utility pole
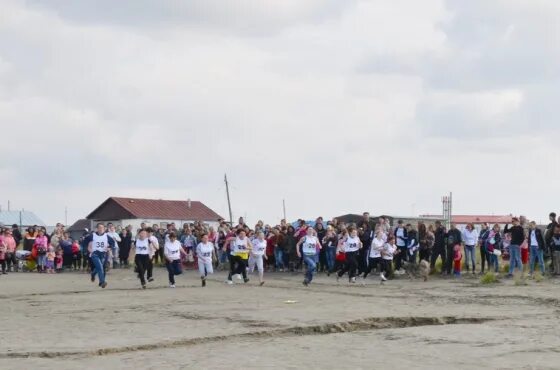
[284,208]
[228,200]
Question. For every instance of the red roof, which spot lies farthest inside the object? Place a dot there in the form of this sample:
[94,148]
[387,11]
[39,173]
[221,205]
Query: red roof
[162,209]
[477,219]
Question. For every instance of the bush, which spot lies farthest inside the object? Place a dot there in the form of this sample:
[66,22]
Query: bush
[519,280]
[489,278]
[505,268]
[538,277]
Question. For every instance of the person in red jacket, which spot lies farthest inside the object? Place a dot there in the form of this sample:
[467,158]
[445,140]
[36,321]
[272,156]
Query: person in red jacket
[457,257]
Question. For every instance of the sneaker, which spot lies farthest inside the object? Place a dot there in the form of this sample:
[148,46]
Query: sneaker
[238,276]
[246,280]
[93,279]
[104,285]
[203,282]
[172,285]
[337,278]
[143,286]
[150,279]
[262,283]
[382,276]
[353,280]
[229,282]
[305,282]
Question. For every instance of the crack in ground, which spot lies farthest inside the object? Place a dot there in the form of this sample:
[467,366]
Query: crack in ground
[373,323]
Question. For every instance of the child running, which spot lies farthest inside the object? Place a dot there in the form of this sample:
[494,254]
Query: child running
[352,244]
[257,255]
[98,244]
[374,258]
[206,255]
[240,246]
[142,248]
[172,252]
[387,253]
[310,248]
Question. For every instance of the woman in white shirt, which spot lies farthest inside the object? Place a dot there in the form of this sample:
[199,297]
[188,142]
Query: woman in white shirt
[257,255]
[172,252]
[310,247]
[206,254]
[352,244]
[142,249]
[374,256]
[470,240]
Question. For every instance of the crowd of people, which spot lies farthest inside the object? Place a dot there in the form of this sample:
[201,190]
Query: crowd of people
[356,249]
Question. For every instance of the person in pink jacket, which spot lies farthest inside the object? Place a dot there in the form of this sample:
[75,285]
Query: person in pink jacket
[11,245]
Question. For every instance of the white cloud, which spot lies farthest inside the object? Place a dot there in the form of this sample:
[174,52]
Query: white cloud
[335,106]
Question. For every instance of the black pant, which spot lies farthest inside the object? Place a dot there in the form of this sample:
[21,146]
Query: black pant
[76,260]
[11,260]
[141,261]
[387,267]
[484,258]
[425,254]
[400,257]
[173,268]
[351,265]
[238,266]
[123,255]
[438,251]
[373,263]
[3,264]
[150,268]
[449,260]
[362,260]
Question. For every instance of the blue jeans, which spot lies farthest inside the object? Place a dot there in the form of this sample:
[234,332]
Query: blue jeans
[536,254]
[98,258]
[494,262]
[279,257]
[331,255]
[41,260]
[515,258]
[470,254]
[309,260]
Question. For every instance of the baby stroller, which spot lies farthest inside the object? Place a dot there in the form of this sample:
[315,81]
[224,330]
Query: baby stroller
[25,261]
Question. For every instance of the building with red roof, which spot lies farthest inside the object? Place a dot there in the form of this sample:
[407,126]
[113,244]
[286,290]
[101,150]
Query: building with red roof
[134,211]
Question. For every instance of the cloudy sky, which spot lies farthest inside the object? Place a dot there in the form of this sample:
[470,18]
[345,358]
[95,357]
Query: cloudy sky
[335,106]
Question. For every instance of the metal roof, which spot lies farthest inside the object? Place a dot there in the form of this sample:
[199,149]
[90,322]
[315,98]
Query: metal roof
[24,218]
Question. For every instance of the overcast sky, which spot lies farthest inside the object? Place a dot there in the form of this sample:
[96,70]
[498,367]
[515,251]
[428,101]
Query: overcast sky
[336,106]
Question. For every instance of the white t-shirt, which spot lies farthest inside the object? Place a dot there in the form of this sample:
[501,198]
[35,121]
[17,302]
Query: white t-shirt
[116,237]
[204,251]
[239,246]
[172,250]
[259,247]
[310,245]
[142,246]
[400,234]
[376,247]
[99,243]
[388,251]
[352,244]
[534,242]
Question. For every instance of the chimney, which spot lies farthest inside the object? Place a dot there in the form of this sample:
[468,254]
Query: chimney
[189,203]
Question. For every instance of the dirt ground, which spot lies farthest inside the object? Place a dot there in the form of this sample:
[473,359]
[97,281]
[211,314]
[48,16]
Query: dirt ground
[65,322]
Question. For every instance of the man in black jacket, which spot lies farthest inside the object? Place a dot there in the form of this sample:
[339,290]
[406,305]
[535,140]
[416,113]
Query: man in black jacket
[548,238]
[453,238]
[17,234]
[439,248]
[536,247]
[517,238]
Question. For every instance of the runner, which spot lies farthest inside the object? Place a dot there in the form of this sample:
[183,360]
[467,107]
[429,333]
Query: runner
[206,254]
[154,247]
[172,253]
[240,247]
[142,247]
[310,247]
[387,253]
[374,258]
[97,243]
[257,255]
[352,244]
